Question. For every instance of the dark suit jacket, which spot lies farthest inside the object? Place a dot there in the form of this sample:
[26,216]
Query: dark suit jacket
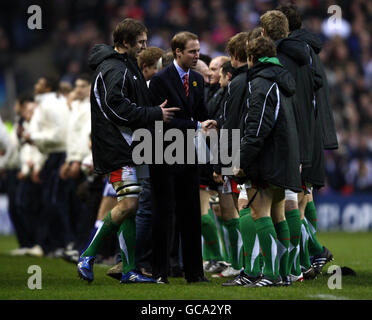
[167,84]
[175,188]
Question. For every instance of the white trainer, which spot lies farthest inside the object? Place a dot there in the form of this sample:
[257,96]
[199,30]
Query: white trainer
[217,267]
[35,251]
[299,278]
[228,272]
[19,252]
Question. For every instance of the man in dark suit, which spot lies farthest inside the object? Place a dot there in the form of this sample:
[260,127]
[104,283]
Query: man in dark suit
[175,188]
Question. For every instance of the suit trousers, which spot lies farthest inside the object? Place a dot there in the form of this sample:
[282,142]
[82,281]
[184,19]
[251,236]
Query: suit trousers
[144,228]
[28,207]
[175,195]
[55,231]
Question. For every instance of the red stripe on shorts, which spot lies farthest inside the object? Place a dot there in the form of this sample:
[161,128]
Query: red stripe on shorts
[234,186]
[115,176]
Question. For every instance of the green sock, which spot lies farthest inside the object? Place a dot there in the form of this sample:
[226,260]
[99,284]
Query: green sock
[282,232]
[311,216]
[224,238]
[242,253]
[267,236]
[251,244]
[127,241]
[261,260]
[315,247]
[304,248]
[244,212]
[205,249]
[294,224]
[205,252]
[211,213]
[106,229]
[211,242]
[236,242]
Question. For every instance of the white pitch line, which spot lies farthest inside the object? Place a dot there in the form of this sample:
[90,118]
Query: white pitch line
[327,297]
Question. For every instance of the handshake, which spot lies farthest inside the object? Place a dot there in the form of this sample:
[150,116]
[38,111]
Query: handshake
[168,115]
[208,125]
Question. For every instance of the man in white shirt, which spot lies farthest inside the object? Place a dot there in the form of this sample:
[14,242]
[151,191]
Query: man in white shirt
[78,129]
[47,131]
[29,195]
[77,149]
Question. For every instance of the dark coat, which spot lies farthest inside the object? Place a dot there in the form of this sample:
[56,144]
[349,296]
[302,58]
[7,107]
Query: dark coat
[215,109]
[295,57]
[316,173]
[269,146]
[214,105]
[324,123]
[119,105]
[233,108]
[323,103]
[175,188]
[209,92]
[168,85]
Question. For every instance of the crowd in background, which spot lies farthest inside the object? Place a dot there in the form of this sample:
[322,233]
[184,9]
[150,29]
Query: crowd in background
[71,28]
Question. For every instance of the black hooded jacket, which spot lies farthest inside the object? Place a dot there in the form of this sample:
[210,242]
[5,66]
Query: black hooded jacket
[295,57]
[209,91]
[269,146]
[232,108]
[119,105]
[324,133]
[215,104]
[323,94]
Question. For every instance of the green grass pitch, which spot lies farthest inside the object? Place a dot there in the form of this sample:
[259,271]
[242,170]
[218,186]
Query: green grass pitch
[60,280]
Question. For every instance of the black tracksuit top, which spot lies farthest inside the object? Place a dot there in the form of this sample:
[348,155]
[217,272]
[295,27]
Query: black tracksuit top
[269,146]
[119,105]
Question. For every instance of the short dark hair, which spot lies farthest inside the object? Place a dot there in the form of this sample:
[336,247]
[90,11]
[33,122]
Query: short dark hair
[128,30]
[52,82]
[261,47]
[236,46]
[64,87]
[293,16]
[205,58]
[84,76]
[180,40]
[227,67]
[25,97]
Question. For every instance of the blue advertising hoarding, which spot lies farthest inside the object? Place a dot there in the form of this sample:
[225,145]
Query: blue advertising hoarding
[346,213]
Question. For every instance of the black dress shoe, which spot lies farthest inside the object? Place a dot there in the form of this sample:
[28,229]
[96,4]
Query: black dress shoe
[162,280]
[198,279]
[176,272]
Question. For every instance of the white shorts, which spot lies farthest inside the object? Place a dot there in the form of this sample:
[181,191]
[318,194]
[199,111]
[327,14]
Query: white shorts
[290,195]
[243,192]
[226,187]
[127,180]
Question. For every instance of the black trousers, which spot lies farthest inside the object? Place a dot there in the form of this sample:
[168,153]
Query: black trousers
[28,207]
[144,228]
[21,199]
[55,231]
[175,195]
